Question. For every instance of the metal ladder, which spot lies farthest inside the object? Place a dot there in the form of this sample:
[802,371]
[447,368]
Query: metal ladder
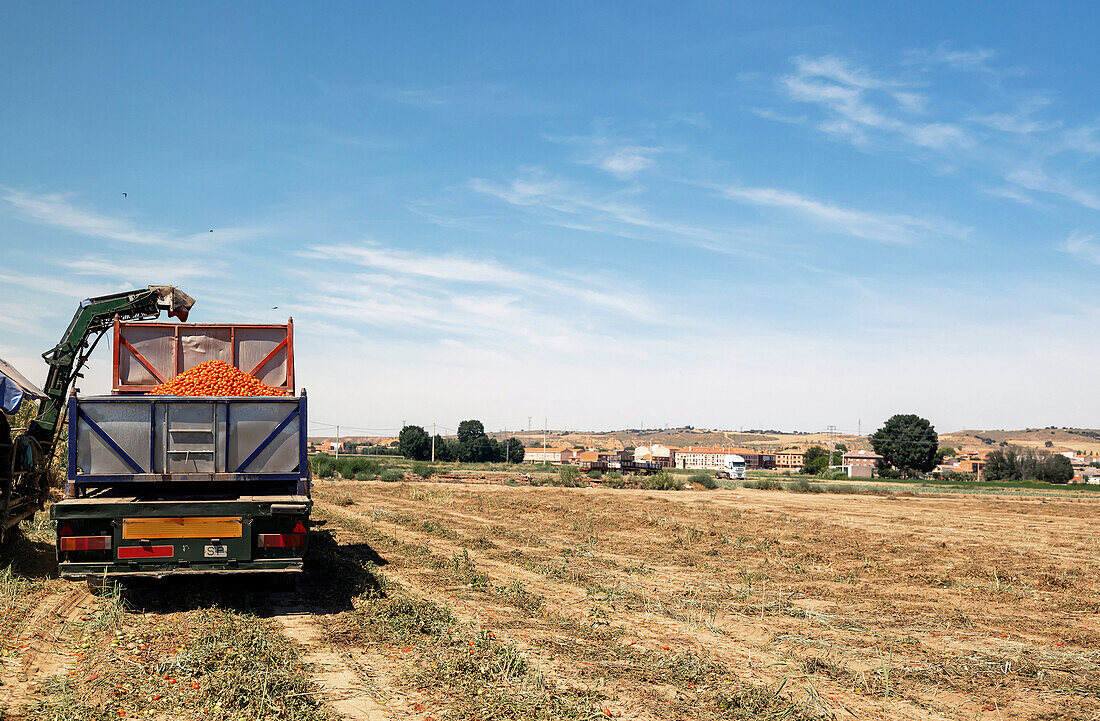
[188,459]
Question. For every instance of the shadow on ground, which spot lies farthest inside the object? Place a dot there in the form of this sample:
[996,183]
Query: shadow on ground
[29,558]
[334,575]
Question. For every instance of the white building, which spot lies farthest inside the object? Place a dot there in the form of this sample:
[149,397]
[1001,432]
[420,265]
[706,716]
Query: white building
[663,456]
[544,455]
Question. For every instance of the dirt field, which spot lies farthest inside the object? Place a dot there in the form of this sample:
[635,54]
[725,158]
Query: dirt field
[446,600]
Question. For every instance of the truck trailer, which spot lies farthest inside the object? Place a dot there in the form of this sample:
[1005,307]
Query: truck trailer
[168,485]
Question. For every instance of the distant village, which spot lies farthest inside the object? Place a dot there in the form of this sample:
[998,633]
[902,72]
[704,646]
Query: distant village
[854,463]
[857,464]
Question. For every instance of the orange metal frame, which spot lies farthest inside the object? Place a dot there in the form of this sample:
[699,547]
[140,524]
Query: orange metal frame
[121,343]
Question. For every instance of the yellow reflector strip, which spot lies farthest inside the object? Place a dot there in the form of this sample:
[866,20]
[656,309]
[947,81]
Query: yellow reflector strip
[216,527]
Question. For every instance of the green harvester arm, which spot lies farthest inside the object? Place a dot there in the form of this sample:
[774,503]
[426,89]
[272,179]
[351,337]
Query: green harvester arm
[93,318]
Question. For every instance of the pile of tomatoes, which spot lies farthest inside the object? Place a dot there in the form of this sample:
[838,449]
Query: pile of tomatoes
[215,378]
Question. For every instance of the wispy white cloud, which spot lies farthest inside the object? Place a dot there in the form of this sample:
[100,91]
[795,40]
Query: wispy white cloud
[1034,177]
[625,162]
[624,158]
[55,209]
[1009,139]
[880,227]
[14,317]
[449,269]
[970,60]
[1021,120]
[435,299]
[141,272]
[1016,194]
[769,114]
[853,99]
[440,267]
[1083,247]
[1081,139]
[565,204]
[1020,123]
[57,285]
[696,120]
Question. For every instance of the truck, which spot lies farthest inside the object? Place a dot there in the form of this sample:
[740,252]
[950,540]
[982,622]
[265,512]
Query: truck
[166,485]
[733,466]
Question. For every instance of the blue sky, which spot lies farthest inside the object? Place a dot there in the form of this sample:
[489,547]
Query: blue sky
[605,214]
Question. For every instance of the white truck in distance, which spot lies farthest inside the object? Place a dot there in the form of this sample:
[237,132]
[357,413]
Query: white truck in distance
[733,466]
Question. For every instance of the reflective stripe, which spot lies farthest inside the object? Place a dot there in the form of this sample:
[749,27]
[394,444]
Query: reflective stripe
[281,540]
[196,527]
[84,543]
[146,552]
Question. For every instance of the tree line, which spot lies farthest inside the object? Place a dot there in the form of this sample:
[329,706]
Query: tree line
[472,445]
[1015,464]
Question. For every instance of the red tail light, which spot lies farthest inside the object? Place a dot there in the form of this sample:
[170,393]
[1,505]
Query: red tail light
[281,540]
[146,552]
[84,543]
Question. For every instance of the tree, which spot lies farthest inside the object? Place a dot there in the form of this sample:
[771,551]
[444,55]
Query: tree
[476,447]
[478,450]
[513,450]
[415,443]
[469,430]
[1056,469]
[446,449]
[907,442]
[815,459]
[945,452]
[1001,466]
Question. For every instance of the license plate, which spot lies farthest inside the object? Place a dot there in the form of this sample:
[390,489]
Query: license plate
[214,552]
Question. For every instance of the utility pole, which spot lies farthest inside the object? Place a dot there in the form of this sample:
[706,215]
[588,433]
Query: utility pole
[832,443]
[337,441]
[433,441]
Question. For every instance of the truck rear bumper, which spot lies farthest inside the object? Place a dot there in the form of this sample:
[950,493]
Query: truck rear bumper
[82,571]
[133,537]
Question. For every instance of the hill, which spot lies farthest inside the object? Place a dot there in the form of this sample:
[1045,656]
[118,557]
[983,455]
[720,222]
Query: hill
[681,437]
[1079,440]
